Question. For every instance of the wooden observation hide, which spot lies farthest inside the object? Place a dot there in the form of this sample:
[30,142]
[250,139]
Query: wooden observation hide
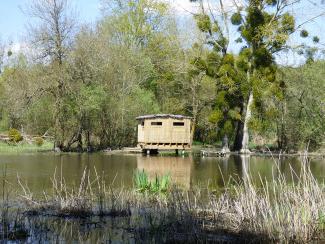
[164,132]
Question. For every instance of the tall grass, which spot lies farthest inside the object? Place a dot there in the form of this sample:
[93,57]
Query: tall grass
[279,211]
[157,185]
[24,147]
[11,226]
[92,197]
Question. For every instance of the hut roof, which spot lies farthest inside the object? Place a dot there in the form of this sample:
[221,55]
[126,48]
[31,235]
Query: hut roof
[154,116]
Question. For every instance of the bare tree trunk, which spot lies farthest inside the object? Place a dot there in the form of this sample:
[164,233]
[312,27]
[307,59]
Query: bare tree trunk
[225,144]
[52,36]
[193,128]
[244,148]
[242,136]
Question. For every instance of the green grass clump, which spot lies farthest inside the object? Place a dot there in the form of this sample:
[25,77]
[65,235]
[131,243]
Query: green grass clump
[39,141]
[158,185]
[197,143]
[23,147]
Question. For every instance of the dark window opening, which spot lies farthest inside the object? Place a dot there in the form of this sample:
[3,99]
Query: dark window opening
[178,124]
[142,123]
[156,123]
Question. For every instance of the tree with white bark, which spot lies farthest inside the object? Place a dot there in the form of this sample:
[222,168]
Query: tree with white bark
[264,27]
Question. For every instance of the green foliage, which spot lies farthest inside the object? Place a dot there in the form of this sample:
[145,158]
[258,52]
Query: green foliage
[271,2]
[203,22]
[316,39]
[158,186]
[215,116]
[239,40]
[234,114]
[302,121]
[288,23]
[14,135]
[135,62]
[236,19]
[304,33]
[141,181]
[39,141]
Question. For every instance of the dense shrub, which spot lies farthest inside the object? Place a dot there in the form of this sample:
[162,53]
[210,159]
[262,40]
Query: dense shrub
[15,135]
[39,141]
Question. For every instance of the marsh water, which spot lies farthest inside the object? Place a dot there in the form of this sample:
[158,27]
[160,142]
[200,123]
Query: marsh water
[36,170]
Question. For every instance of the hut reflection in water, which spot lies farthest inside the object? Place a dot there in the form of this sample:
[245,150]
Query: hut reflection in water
[188,171]
[179,168]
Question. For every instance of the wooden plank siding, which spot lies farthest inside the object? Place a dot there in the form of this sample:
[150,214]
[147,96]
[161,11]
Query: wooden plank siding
[164,133]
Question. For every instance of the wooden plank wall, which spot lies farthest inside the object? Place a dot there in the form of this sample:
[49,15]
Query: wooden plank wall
[165,133]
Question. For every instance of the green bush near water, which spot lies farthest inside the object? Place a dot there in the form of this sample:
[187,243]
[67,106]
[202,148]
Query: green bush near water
[158,185]
[15,135]
[39,141]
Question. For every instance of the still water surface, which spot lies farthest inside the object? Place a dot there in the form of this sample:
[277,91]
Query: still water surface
[37,169]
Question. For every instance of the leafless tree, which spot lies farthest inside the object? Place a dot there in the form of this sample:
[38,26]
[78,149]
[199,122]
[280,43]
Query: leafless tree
[51,36]
[52,33]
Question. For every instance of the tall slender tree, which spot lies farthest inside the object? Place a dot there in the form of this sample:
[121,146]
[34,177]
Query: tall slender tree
[52,36]
[264,27]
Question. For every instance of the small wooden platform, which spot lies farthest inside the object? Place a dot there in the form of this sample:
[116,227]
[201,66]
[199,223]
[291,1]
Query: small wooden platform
[132,149]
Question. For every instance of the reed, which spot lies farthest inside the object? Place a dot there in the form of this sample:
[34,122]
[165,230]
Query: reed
[158,185]
[279,211]
[92,197]
[23,147]
[11,224]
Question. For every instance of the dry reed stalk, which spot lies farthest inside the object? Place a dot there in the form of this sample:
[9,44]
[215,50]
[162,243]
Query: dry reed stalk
[280,210]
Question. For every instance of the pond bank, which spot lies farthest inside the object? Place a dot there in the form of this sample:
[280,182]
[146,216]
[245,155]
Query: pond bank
[24,147]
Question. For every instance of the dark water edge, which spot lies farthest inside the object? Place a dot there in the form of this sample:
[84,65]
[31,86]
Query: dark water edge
[38,227]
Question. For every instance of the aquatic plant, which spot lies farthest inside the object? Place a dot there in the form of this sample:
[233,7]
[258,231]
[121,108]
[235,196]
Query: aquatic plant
[278,211]
[141,181]
[157,185]
[11,225]
[90,198]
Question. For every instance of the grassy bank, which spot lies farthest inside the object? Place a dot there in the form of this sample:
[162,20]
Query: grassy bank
[23,147]
[277,212]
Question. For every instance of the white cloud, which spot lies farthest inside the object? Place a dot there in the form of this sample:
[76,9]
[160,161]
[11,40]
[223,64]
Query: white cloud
[17,48]
[184,7]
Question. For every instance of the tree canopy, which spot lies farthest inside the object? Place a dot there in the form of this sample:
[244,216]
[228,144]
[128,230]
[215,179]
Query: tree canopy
[84,85]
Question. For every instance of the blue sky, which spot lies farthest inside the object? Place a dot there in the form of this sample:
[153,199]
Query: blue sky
[13,21]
